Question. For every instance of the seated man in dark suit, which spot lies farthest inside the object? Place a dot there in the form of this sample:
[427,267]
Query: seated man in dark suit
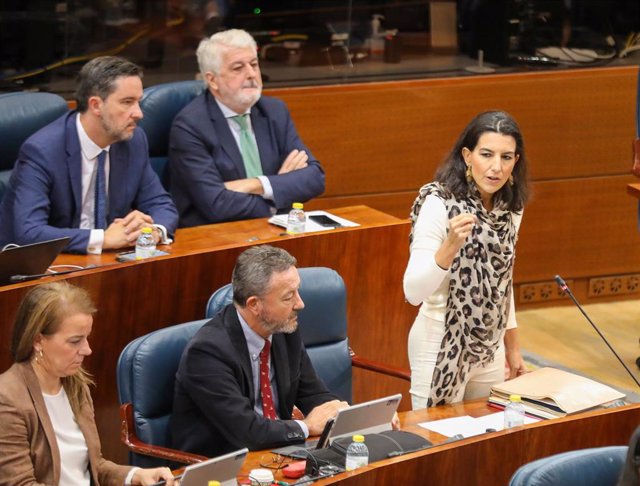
[244,370]
[233,154]
[87,175]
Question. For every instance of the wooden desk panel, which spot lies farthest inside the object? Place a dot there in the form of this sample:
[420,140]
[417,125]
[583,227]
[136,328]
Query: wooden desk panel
[139,297]
[379,142]
[578,228]
[384,138]
[489,458]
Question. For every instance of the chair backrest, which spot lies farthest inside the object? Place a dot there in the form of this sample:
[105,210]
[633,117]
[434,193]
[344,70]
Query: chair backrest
[600,466]
[146,375]
[322,323]
[21,115]
[160,104]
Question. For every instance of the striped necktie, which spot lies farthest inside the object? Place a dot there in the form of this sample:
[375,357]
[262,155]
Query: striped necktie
[248,148]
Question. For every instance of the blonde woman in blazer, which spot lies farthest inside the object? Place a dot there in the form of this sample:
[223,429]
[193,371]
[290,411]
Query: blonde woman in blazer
[48,434]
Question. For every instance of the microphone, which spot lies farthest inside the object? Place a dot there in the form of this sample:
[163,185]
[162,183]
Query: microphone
[565,288]
[24,278]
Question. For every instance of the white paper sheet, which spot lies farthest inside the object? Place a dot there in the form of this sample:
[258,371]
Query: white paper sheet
[468,426]
[310,227]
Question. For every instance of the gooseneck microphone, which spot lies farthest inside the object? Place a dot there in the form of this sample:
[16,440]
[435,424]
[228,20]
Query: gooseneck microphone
[565,288]
[24,278]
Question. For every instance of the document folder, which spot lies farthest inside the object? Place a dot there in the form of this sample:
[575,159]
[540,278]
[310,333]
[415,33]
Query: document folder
[550,393]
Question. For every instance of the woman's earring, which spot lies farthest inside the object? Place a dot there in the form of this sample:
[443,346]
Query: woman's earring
[511,180]
[468,174]
[39,356]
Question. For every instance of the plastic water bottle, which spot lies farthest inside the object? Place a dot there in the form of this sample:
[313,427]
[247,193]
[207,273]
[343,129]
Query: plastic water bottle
[297,220]
[145,245]
[357,454]
[514,412]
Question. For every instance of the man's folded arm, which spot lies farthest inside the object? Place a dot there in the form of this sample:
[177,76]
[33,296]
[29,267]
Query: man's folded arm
[194,170]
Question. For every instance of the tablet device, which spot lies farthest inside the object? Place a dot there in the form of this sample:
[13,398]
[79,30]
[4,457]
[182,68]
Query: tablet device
[223,468]
[363,418]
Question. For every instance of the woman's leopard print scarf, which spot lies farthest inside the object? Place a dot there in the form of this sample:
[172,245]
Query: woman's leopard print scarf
[479,291]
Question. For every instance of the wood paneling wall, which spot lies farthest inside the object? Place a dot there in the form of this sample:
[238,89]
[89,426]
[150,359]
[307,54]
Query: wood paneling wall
[380,142]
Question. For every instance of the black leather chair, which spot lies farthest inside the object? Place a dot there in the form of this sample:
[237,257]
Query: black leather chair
[600,466]
[146,374]
[160,104]
[21,115]
[323,326]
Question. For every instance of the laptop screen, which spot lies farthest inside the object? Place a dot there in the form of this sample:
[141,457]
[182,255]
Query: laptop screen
[31,259]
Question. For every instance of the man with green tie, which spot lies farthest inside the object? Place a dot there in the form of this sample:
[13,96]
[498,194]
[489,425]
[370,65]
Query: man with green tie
[233,153]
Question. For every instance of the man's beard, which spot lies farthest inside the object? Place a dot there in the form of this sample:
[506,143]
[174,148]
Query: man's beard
[242,98]
[114,133]
[275,327]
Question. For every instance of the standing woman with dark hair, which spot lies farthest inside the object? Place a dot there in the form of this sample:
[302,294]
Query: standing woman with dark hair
[48,433]
[465,227]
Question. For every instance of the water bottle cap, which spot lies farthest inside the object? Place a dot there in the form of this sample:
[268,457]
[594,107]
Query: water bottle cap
[298,205]
[358,438]
[146,230]
[515,398]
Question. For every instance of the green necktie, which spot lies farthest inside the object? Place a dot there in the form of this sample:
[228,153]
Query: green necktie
[248,148]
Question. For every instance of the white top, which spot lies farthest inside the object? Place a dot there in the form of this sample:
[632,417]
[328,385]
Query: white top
[74,454]
[424,281]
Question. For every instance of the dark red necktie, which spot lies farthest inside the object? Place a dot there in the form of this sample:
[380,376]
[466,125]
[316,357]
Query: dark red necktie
[268,411]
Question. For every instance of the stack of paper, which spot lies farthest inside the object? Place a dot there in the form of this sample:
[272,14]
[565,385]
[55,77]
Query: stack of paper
[550,393]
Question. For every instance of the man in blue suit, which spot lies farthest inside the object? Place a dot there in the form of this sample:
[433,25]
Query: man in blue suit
[233,154]
[87,175]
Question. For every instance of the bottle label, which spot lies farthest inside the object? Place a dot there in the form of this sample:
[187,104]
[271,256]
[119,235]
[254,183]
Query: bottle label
[352,463]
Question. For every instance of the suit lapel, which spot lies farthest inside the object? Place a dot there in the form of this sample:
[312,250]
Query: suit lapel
[223,132]
[74,166]
[280,360]
[41,409]
[85,421]
[232,323]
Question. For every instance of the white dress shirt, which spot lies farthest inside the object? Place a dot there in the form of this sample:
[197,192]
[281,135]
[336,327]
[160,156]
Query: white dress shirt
[89,154]
[255,343]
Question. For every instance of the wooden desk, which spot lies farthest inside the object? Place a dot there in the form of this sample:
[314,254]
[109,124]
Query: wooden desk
[138,297]
[489,458]
[634,190]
